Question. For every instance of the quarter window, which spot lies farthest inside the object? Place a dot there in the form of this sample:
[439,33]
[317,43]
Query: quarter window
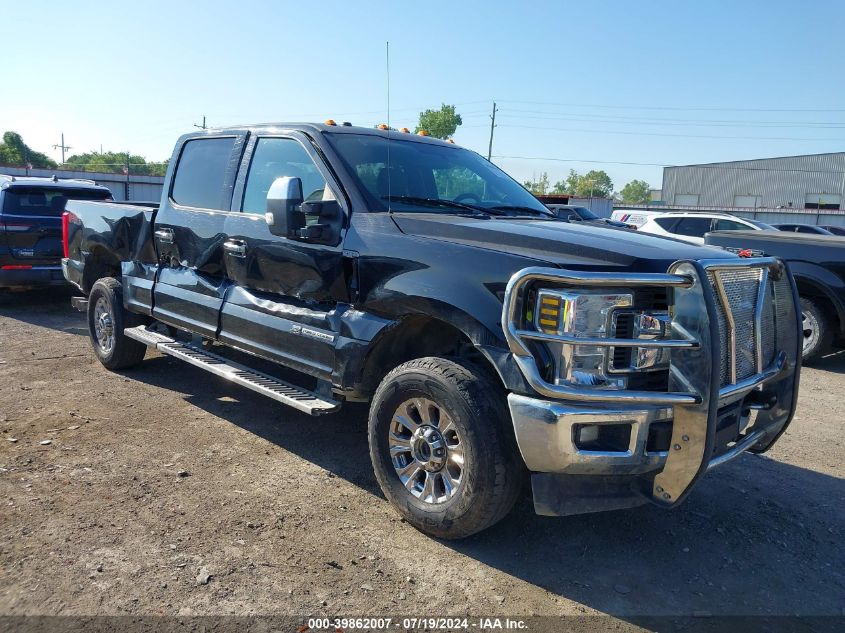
[731,225]
[692,227]
[201,173]
[275,158]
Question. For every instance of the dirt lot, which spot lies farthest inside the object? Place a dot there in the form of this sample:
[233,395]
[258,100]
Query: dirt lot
[164,474]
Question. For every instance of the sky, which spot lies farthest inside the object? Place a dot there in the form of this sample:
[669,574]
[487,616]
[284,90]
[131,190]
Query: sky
[622,86]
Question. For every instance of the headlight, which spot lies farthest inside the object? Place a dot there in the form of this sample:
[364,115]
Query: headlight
[582,313]
[597,314]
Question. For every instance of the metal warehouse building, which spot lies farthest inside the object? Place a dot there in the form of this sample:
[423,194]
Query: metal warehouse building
[815,182]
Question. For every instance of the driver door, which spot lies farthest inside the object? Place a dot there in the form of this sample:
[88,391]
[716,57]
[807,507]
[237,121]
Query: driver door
[284,292]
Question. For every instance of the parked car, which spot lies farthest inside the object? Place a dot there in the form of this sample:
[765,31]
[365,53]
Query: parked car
[491,339]
[803,228]
[836,230]
[689,226]
[818,265]
[574,213]
[31,227]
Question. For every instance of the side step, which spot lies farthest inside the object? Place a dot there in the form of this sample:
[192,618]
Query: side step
[279,390]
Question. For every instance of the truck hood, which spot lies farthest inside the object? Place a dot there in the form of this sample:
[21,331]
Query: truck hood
[558,243]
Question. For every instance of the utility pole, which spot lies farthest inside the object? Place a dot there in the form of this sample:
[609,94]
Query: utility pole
[203,126]
[63,146]
[492,127]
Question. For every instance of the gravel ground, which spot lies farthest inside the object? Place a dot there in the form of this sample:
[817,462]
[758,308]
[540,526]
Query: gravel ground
[164,490]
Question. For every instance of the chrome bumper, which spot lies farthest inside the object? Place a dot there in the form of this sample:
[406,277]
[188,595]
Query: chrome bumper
[545,425]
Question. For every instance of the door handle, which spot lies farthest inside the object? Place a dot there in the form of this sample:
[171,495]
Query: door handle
[235,248]
[165,236]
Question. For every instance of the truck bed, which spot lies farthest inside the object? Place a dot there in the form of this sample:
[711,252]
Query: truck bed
[104,234]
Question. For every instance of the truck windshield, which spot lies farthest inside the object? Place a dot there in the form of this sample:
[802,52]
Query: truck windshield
[46,201]
[421,172]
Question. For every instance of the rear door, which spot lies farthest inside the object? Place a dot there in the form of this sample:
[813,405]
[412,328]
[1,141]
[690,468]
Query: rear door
[32,222]
[284,292]
[189,232]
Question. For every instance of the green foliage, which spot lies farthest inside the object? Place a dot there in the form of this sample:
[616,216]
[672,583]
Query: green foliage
[538,186]
[15,153]
[636,192]
[440,123]
[113,163]
[595,183]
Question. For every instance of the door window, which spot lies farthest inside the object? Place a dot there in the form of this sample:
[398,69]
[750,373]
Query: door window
[693,227]
[201,173]
[277,157]
[731,225]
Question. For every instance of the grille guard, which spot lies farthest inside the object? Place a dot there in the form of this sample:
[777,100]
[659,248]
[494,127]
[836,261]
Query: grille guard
[694,391]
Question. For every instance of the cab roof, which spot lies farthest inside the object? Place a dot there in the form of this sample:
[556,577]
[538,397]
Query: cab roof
[324,128]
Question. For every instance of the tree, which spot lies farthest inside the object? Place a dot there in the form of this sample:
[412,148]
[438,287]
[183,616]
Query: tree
[538,186]
[594,184]
[440,123]
[636,192]
[114,162]
[15,153]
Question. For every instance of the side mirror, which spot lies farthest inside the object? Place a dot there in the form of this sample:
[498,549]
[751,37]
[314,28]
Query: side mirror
[284,215]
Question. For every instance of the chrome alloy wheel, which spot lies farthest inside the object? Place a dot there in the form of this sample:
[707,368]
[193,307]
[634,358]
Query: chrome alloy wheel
[426,450]
[103,325]
[810,327]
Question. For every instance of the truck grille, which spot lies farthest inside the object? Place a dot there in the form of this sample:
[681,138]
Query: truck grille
[746,311]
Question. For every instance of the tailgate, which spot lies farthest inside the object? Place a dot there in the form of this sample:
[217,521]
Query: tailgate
[33,240]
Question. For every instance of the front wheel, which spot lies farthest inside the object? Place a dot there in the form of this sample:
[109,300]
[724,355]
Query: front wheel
[817,329]
[441,448]
[107,319]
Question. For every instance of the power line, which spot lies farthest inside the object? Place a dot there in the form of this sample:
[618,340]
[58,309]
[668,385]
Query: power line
[548,116]
[673,108]
[708,136]
[710,166]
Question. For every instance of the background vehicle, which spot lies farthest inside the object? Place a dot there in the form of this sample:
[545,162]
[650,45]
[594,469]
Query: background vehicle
[818,264]
[689,226]
[836,230]
[574,213]
[492,339]
[803,228]
[31,227]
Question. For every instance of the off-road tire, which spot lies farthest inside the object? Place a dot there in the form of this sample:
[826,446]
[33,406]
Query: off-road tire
[124,351]
[818,330]
[493,472]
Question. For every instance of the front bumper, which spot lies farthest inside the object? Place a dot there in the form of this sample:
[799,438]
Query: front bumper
[706,419]
[35,277]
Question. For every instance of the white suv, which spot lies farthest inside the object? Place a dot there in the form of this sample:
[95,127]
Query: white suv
[689,226]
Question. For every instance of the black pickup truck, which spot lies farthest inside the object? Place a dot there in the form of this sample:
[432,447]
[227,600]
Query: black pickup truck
[818,264]
[493,340]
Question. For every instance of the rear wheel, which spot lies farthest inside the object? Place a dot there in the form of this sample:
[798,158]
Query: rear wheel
[107,319]
[817,328]
[441,449]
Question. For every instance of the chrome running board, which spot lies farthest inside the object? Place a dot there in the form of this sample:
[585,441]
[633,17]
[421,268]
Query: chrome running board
[270,386]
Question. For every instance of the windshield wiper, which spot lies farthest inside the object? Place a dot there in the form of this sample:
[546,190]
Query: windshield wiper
[439,202]
[514,207]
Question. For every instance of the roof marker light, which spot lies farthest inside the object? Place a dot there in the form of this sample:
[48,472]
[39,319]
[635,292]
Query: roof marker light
[330,122]
[382,126]
[423,133]
[404,130]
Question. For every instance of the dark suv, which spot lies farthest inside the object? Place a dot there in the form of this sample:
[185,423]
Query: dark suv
[31,227]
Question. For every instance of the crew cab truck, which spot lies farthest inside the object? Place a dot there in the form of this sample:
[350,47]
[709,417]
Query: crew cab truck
[30,228]
[817,263]
[492,340]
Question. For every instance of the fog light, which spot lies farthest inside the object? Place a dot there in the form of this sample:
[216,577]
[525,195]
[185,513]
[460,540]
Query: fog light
[586,434]
[605,438]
